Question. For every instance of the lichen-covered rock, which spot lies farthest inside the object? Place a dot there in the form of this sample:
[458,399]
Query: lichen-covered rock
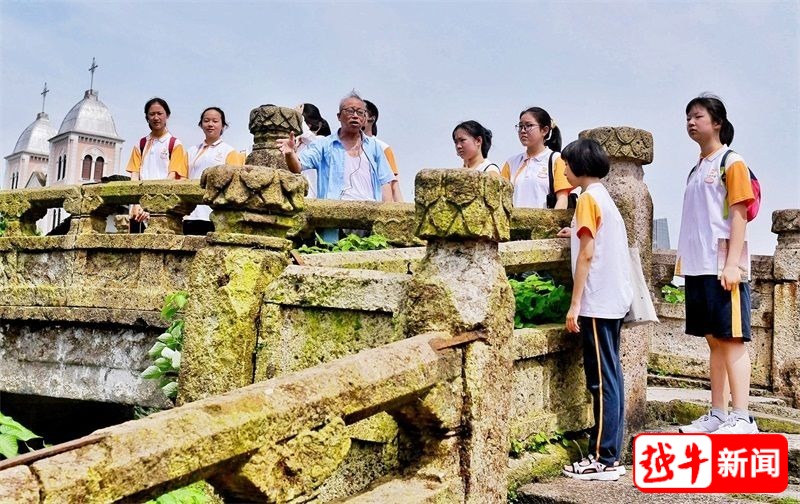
[280,473]
[267,124]
[254,188]
[18,485]
[227,286]
[462,204]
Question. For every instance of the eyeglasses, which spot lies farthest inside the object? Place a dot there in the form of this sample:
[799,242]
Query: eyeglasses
[354,111]
[525,127]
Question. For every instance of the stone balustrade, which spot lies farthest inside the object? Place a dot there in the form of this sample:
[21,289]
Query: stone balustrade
[316,380]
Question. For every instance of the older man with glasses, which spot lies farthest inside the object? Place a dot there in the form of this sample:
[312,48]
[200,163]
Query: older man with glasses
[350,165]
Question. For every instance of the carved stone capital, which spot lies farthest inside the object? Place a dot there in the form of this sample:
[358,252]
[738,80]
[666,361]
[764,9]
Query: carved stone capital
[786,221]
[253,188]
[267,124]
[459,203]
[623,142]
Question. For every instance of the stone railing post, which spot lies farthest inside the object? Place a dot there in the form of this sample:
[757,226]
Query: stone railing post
[253,207]
[460,288]
[628,149]
[21,208]
[786,304]
[268,123]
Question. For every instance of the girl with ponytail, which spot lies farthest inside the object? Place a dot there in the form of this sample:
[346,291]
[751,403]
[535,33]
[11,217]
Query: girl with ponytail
[532,170]
[713,258]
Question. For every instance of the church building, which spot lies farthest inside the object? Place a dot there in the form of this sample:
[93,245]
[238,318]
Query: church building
[84,149]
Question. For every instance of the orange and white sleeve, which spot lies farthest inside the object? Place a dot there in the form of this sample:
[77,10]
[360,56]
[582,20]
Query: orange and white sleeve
[135,162]
[737,180]
[559,176]
[587,215]
[389,153]
[179,161]
[234,158]
[506,171]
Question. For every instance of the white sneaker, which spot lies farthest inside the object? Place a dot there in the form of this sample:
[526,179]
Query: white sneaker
[620,468]
[738,425]
[706,424]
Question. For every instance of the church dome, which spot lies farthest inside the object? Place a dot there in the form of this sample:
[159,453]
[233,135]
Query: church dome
[89,116]
[35,137]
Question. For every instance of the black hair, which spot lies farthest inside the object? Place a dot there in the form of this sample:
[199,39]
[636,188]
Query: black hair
[313,119]
[716,109]
[586,157]
[160,101]
[324,128]
[221,113]
[475,130]
[553,137]
[372,110]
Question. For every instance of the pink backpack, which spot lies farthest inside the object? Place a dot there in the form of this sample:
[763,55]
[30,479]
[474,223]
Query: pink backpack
[752,207]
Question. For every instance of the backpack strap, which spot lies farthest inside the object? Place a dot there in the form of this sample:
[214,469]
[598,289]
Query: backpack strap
[170,147]
[487,167]
[142,143]
[550,177]
[722,168]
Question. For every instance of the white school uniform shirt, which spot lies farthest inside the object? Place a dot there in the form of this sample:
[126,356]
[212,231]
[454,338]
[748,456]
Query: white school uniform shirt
[488,167]
[531,180]
[609,291]
[202,156]
[702,221]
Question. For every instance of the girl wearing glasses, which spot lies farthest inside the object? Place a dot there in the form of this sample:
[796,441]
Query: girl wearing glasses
[473,142]
[538,173]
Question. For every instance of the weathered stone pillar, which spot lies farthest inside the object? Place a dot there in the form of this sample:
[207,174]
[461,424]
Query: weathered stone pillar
[460,288]
[629,149]
[267,124]
[253,206]
[786,304]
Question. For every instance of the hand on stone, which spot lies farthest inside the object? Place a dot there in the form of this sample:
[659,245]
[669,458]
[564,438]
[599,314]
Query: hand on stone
[286,145]
[564,233]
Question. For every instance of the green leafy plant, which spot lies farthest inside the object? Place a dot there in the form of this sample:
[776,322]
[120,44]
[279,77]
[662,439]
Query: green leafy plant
[2,224]
[537,443]
[190,494]
[166,352]
[351,242]
[539,301]
[12,433]
[672,294]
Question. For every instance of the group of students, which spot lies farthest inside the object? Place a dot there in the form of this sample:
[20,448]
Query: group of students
[351,164]
[160,155]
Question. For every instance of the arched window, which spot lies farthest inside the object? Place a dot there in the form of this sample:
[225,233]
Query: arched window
[98,168]
[86,171]
[58,169]
[64,167]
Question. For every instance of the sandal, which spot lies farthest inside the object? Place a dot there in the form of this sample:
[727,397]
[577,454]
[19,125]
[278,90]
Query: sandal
[589,469]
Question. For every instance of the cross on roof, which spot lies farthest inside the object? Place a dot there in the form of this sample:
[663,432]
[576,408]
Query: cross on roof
[44,95]
[92,69]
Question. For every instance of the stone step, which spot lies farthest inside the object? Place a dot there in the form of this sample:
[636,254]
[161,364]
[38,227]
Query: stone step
[681,406]
[680,382]
[564,490]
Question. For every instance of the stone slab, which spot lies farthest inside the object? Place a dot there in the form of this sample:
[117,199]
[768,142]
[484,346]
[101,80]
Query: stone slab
[347,289]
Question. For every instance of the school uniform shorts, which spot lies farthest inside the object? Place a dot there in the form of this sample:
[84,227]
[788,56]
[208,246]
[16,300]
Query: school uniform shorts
[710,309]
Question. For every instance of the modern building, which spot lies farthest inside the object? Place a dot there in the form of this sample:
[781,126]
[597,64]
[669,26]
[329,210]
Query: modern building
[661,234]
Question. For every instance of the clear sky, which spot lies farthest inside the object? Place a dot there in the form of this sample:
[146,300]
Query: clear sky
[428,66]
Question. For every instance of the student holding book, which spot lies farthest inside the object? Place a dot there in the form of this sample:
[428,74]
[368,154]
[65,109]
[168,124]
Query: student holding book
[713,258]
